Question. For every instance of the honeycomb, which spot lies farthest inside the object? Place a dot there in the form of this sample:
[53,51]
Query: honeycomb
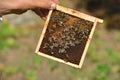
[66,37]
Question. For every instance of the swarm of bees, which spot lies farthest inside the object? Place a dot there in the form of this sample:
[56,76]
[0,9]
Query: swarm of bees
[65,31]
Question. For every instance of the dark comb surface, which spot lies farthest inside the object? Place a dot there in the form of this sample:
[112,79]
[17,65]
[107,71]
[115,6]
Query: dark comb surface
[66,37]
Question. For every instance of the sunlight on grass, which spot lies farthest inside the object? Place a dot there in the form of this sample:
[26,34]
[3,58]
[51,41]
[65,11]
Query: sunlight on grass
[37,61]
[8,35]
[102,72]
[31,75]
[53,64]
[10,70]
[22,66]
[112,55]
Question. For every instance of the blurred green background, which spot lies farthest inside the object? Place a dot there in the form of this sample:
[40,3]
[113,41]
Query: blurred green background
[19,35]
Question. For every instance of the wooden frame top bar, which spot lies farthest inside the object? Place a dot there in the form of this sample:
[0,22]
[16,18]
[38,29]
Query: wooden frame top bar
[78,14]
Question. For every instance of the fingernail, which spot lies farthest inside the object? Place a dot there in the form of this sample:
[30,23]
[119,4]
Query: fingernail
[44,18]
[53,5]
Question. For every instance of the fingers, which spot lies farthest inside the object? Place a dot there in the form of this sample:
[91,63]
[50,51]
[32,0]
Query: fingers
[53,6]
[42,13]
[46,4]
[43,7]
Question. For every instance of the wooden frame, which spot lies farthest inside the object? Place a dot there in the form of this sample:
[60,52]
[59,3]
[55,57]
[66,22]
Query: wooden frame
[76,14]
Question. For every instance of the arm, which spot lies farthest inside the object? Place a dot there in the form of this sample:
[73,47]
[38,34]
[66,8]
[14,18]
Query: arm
[20,6]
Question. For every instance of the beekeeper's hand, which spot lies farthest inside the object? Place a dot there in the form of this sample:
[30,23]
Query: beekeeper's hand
[40,7]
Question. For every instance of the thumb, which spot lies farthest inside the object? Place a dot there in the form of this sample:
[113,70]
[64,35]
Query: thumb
[46,4]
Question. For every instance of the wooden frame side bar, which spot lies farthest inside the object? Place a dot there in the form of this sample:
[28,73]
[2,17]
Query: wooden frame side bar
[43,31]
[78,14]
[88,43]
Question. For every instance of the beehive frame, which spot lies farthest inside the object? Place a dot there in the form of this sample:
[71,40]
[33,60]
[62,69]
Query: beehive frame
[72,13]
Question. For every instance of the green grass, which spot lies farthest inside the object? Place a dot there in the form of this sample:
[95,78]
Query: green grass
[53,64]
[95,56]
[103,69]
[112,55]
[8,35]
[93,53]
[25,32]
[91,48]
[10,70]
[96,34]
[74,73]
[36,61]
[22,66]
[102,72]
[7,30]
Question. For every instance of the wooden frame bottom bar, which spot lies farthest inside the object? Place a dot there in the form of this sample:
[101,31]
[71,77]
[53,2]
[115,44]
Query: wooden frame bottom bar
[57,59]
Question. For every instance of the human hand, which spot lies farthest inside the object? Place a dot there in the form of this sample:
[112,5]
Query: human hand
[40,7]
[42,12]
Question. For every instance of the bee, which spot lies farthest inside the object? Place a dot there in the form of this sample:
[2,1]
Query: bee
[68,37]
[52,52]
[63,36]
[87,30]
[73,38]
[55,44]
[54,26]
[84,36]
[66,30]
[66,46]
[72,44]
[75,29]
[50,30]
[77,42]
[67,55]
[50,40]
[54,38]
[62,50]
[60,23]
[46,45]
[51,47]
